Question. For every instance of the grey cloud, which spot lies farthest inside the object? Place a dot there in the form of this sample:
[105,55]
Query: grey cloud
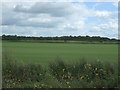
[10,17]
[39,24]
[54,9]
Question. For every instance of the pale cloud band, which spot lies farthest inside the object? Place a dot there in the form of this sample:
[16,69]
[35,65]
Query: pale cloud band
[60,0]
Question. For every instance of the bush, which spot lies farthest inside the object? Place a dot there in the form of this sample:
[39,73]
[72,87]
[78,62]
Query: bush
[15,72]
[59,74]
[84,74]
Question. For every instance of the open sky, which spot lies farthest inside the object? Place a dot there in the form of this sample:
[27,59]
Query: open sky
[60,18]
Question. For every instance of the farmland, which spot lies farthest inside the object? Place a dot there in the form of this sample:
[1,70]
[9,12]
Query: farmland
[69,65]
[55,44]
[46,52]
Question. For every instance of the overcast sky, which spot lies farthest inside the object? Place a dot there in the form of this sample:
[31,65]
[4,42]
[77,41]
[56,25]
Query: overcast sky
[60,19]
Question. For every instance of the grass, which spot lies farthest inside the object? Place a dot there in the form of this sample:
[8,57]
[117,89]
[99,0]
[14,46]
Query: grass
[59,74]
[94,65]
[47,52]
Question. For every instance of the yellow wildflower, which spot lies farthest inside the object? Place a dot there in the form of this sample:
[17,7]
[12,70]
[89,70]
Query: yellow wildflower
[13,83]
[68,82]
[42,84]
[69,86]
[96,69]
[81,77]
[63,70]
[69,73]
[89,65]
[68,77]
[35,85]
[96,74]
[50,86]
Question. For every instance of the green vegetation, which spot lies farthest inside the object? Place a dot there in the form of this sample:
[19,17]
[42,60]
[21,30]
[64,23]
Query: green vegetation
[46,52]
[92,39]
[70,64]
[59,74]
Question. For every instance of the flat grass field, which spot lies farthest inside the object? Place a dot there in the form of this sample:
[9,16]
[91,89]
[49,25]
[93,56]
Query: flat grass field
[47,52]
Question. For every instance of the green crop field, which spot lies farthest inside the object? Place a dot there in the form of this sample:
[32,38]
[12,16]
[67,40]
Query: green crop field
[46,52]
[99,69]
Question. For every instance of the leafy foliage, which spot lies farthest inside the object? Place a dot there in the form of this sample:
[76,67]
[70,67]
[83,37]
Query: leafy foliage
[64,38]
[59,74]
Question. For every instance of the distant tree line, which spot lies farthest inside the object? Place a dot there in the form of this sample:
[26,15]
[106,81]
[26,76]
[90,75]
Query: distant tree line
[65,38]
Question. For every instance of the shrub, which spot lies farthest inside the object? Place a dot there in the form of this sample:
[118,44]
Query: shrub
[59,74]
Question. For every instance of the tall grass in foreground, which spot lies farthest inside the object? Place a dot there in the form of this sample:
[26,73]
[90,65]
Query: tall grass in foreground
[59,74]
